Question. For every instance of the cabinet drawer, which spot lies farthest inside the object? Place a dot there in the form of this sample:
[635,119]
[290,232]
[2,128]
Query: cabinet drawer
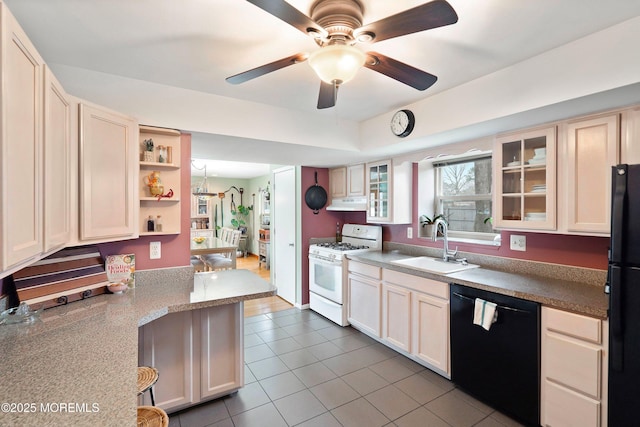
[417,283]
[576,325]
[365,269]
[574,364]
[564,407]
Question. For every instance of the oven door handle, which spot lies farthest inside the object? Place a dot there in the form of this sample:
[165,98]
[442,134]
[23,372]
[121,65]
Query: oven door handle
[336,263]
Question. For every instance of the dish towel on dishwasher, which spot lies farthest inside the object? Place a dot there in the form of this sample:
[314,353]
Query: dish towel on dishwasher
[484,313]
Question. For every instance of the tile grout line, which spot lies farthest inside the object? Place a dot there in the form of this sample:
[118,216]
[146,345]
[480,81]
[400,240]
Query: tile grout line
[348,340]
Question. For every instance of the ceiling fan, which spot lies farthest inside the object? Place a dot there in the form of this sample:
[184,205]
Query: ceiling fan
[336,26]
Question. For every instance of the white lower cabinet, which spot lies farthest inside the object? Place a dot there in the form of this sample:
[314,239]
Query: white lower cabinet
[198,355]
[221,350]
[407,313]
[430,338]
[396,316]
[364,297]
[168,344]
[425,316]
[573,369]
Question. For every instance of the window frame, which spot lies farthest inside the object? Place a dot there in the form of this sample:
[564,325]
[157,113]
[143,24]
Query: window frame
[439,200]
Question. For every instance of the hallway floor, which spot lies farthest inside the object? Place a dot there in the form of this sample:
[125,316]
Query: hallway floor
[303,370]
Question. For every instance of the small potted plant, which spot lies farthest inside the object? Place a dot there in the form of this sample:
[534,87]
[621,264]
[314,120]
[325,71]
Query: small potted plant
[427,223]
[148,150]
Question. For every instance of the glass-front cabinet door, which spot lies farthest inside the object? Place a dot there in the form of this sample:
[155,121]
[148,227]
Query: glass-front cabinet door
[378,185]
[200,208]
[525,195]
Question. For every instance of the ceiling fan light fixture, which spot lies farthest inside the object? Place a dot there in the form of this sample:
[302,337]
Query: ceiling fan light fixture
[337,63]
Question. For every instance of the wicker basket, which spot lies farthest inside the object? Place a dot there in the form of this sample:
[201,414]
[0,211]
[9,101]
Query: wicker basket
[152,416]
[147,377]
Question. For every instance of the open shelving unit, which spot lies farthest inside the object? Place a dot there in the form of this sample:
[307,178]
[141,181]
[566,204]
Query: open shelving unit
[167,208]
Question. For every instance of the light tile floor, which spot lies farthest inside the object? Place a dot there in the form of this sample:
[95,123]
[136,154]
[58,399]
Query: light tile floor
[303,370]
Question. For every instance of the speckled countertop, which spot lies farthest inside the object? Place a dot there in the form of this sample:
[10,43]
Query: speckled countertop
[77,365]
[567,288]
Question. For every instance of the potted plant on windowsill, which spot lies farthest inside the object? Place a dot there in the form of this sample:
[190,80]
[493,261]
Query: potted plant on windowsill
[427,224]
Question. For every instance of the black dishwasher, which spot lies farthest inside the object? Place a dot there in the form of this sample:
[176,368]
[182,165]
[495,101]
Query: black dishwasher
[501,366]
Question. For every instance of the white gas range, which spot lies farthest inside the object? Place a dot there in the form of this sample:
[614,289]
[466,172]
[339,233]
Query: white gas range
[328,273]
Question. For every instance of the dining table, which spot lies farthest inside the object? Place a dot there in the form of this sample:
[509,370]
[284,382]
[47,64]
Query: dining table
[214,245]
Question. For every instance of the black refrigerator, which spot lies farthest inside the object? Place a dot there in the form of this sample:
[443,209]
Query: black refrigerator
[624,297]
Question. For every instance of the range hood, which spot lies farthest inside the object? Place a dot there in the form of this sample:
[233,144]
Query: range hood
[348,204]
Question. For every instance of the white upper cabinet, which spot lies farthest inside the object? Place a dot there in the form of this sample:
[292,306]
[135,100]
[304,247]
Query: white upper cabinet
[630,135]
[389,192]
[526,189]
[525,180]
[592,149]
[355,180]
[338,182]
[200,208]
[21,169]
[57,164]
[108,176]
[347,181]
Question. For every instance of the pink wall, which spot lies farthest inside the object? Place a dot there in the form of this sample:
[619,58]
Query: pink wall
[321,225]
[175,248]
[580,251]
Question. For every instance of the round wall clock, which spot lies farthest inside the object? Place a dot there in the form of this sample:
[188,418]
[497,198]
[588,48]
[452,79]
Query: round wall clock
[402,123]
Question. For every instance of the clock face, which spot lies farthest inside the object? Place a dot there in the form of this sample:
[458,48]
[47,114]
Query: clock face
[402,123]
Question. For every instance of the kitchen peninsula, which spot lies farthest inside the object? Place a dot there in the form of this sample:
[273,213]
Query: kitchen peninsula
[77,364]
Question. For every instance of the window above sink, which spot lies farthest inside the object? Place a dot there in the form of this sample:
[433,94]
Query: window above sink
[457,183]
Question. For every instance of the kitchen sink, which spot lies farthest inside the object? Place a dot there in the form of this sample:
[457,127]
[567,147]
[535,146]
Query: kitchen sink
[434,265]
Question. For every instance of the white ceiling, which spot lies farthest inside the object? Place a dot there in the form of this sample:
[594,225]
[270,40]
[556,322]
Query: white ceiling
[228,169]
[196,44]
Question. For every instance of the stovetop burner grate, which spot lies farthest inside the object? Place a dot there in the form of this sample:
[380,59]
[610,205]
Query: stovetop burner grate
[342,246]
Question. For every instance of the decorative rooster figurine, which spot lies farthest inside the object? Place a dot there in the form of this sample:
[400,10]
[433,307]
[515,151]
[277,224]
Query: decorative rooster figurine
[168,195]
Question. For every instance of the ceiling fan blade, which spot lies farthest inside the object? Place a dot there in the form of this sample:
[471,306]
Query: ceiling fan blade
[328,95]
[267,68]
[434,14]
[289,14]
[399,71]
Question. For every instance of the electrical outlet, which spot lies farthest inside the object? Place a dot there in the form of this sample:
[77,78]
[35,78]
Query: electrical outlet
[155,250]
[518,243]
[409,232]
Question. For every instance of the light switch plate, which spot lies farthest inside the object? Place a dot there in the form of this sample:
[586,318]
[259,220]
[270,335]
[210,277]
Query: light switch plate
[155,250]
[518,243]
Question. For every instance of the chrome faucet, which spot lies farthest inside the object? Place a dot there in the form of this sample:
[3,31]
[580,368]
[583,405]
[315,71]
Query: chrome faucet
[447,256]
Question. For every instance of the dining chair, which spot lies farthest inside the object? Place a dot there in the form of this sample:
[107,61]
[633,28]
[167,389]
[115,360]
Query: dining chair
[197,264]
[224,261]
[225,232]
